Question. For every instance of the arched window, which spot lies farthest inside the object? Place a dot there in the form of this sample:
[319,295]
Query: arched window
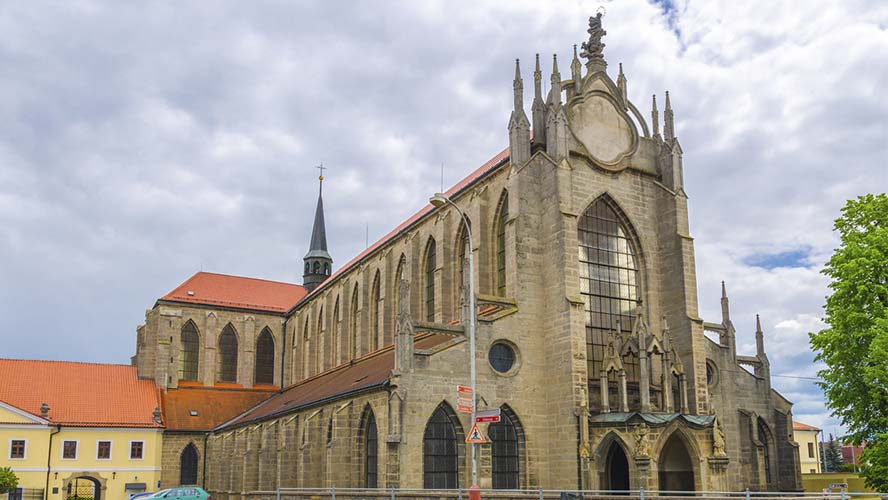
[188,465]
[334,334]
[189,352]
[501,217]
[326,269]
[316,268]
[462,245]
[399,276]
[353,333]
[504,451]
[371,449]
[306,347]
[227,369]
[763,435]
[608,278]
[264,370]
[375,313]
[320,344]
[430,264]
[439,452]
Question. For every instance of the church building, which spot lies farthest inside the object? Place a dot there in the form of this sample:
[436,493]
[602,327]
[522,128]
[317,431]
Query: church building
[588,335]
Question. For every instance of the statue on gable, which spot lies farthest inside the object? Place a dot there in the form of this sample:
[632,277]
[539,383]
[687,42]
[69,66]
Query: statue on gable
[593,49]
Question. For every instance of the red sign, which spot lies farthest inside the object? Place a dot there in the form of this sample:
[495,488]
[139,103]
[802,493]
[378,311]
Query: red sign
[492,418]
[464,399]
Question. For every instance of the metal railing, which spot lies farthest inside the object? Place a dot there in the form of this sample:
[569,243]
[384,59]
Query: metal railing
[537,494]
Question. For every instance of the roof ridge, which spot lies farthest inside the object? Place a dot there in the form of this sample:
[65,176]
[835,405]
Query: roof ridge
[69,362]
[227,275]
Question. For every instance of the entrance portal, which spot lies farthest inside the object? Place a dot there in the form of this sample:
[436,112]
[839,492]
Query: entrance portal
[616,472]
[676,471]
[84,488]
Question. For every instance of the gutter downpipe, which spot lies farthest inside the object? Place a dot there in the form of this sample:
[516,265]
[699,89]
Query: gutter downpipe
[49,460]
[203,479]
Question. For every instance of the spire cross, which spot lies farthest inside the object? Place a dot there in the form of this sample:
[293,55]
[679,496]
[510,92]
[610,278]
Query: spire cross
[321,168]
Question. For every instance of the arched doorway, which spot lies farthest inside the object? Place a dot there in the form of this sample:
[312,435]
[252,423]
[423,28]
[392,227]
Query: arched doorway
[616,469]
[188,465]
[676,471]
[84,488]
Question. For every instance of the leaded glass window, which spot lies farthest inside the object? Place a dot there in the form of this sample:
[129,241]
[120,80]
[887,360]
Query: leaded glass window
[371,450]
[504,450]
[353,334]
[227,369]
[430,265]
[502,217]
[264,372]
[334,334]
[376,312]
[439,455]
[189,352]
[608,282]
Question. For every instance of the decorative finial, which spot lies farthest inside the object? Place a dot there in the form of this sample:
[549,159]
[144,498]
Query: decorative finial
[576,70]
[724,291]
[655,116]
[668,120]
[518,87]
[593,49]
[621,84]
[726,311]
[758,324]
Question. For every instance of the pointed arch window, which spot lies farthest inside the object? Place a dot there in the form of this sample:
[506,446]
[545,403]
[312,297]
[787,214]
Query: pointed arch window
[306,347]
[462,246]
[320,344]
[396,289]
[430,265]
[353,333]
[264,369]
[608,278]
[334,334]
[227,366]
[375,313]
[501,217]
[371,450]
[504,452]
[766,449]
[188,465]
[189,352]
[439,452]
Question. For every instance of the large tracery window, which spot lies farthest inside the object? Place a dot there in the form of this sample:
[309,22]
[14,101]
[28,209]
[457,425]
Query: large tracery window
[502,217]
[334,335]
[264,370]
[371,444]
[504,453]
[439,452]
[608,281]
[227,369]
[375,312]
[188,352]
[353,334]
[430,264]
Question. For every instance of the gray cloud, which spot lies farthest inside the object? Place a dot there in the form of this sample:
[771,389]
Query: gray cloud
[141,143]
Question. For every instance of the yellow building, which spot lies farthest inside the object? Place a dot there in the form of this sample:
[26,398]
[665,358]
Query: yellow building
[90,429]
[809,449]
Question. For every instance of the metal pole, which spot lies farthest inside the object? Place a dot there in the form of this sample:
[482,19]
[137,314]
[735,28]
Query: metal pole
[333,493]
[747,493]
[471,325]
[641,494]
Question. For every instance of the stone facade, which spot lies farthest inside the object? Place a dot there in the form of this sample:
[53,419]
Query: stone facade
[665,408]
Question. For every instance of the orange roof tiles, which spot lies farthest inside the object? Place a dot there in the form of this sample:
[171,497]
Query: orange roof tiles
[798,426]
[365,373]
[236,291]
[80,394]
[213,406]
[480,172]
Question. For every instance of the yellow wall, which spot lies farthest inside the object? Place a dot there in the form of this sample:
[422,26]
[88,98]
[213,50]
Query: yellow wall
[113,474]
[815,483]
[807,462]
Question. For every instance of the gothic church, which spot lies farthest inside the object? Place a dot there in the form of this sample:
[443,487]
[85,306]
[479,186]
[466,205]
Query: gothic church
[589,338]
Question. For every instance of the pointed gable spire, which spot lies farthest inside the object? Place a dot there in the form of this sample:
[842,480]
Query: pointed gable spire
[318,262]
[668,126]
[555,92]
[655,117]
[519,127]
[726,311]
[538,108]
[518,88]
[622,85]
[576,71]
[759,337]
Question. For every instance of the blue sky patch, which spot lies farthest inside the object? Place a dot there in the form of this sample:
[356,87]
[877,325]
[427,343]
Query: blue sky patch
[792,258]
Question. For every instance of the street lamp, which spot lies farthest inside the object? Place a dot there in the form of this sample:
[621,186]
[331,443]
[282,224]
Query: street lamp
[438,200]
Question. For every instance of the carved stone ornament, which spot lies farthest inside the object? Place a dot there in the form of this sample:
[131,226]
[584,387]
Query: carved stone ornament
[718,440]
[593,49]
[604,130]
[642,445]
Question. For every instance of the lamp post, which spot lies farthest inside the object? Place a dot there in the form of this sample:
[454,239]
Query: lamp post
[438,200]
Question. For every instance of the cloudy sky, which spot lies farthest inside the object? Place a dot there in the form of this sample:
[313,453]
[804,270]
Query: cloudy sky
[142,143]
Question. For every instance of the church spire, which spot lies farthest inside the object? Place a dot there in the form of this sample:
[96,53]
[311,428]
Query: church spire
[318,262]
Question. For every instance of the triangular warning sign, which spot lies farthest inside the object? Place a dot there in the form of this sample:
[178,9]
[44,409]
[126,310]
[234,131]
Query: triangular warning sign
[475,435]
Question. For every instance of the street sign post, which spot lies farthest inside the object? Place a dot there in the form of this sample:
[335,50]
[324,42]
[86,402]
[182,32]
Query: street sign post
[475,435]
[464,399]
[489,416]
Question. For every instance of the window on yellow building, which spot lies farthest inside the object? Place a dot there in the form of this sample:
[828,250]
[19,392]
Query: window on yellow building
[17,448]
[104,450]
[136,449]
[810,450]
[69,450]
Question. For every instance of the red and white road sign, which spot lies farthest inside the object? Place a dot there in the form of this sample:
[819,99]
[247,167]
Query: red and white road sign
[492,416]
[464,399]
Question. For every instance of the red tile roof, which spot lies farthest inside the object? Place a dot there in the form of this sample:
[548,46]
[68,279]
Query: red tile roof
[480,172]
[366,373]
[214,406]
[798,426]
[80,394]
[236,291]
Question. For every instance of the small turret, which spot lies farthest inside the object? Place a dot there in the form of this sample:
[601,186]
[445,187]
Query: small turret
[621,84]
[555,91]
[576,72]
[726,310]
[538,108]
[668,125]
[655,118]
[318,263]
[519,127]
[763,370]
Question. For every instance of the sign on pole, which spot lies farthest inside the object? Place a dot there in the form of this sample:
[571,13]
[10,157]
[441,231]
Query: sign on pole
[475,435]
[464,399]
[491,416]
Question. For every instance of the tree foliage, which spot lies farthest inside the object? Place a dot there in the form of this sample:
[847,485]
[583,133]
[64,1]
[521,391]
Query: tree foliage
[8,480]
[832,456]
[854,346]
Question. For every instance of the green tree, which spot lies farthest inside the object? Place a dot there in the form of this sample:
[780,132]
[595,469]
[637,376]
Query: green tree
[832,456]
[854,346]
[8,480]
